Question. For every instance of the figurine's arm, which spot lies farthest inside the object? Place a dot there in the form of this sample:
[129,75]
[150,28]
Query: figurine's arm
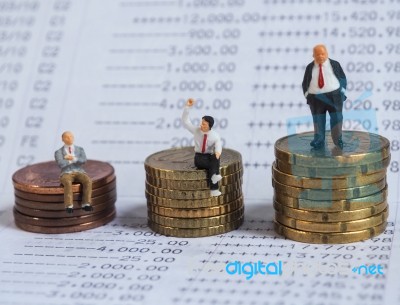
[185,117]
[307,79]
[58,156]
[339,73]
[218,146]
[80,156]
[342,78]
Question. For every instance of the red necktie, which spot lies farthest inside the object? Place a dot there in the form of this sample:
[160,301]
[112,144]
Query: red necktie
[70,149]
[320,77]
[203,148]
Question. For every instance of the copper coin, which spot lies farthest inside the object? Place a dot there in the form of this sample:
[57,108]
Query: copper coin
[44,178]
[67,229]
[60,198]
[78,211]
[54,206]
[61,222]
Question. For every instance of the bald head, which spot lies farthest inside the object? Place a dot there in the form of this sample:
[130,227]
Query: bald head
[320,53]
[67,137]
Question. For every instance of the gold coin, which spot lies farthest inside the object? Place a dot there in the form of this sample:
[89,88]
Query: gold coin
[359,148]
[192,184]
[198,232]
[329,216]
[192,223]
[329,172]
[326,183]
[66,229]
[332,205]
[333,227]
[61,222]
[192,194]
[337,194]
[329,238]
[197,213]
[44,178]
[178,164]
[192,203]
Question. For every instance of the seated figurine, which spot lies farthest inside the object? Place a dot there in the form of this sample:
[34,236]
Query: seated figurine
[70,159]
[207,147]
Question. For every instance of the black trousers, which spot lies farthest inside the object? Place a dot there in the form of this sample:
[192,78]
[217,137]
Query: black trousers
[210,163]
[319,105]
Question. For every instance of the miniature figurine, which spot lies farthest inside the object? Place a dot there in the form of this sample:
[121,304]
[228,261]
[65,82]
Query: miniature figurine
[70,159]
[207,147]
[324,87]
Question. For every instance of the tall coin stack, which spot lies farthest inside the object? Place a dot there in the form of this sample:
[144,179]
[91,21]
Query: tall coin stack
[178,197]
[331,195]
[39,199]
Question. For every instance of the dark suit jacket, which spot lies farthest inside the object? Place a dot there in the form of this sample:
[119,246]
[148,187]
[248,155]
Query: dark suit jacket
[337,70]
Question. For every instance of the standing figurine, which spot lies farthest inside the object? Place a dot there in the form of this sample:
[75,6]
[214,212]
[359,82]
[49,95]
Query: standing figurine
[324,86]
[207,147]
[70,159]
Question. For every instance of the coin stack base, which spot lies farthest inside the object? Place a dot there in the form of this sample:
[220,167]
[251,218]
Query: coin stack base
[178,196]
[39,199]
[331,195]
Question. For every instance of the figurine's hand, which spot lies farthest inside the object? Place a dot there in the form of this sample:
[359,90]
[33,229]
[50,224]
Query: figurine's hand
[217,155]
[69,157]
[190,102]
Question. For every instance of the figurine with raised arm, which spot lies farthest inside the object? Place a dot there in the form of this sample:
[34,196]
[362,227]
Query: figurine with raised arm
[70,159]
[324,87]
[207,147]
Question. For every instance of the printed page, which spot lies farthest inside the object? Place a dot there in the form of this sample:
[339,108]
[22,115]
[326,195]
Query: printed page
[118,73]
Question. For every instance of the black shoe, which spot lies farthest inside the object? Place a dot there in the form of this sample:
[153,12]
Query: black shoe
[312,143]
[69,210]
[318,144]
[340,143]
[87,208]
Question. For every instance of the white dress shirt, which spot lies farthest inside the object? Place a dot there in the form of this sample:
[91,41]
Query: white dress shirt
[213,143]
[331,83]
[72,153]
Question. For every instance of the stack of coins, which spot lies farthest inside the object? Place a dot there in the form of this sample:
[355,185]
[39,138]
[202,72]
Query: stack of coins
[178,197]
[331,195]
[39,199]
